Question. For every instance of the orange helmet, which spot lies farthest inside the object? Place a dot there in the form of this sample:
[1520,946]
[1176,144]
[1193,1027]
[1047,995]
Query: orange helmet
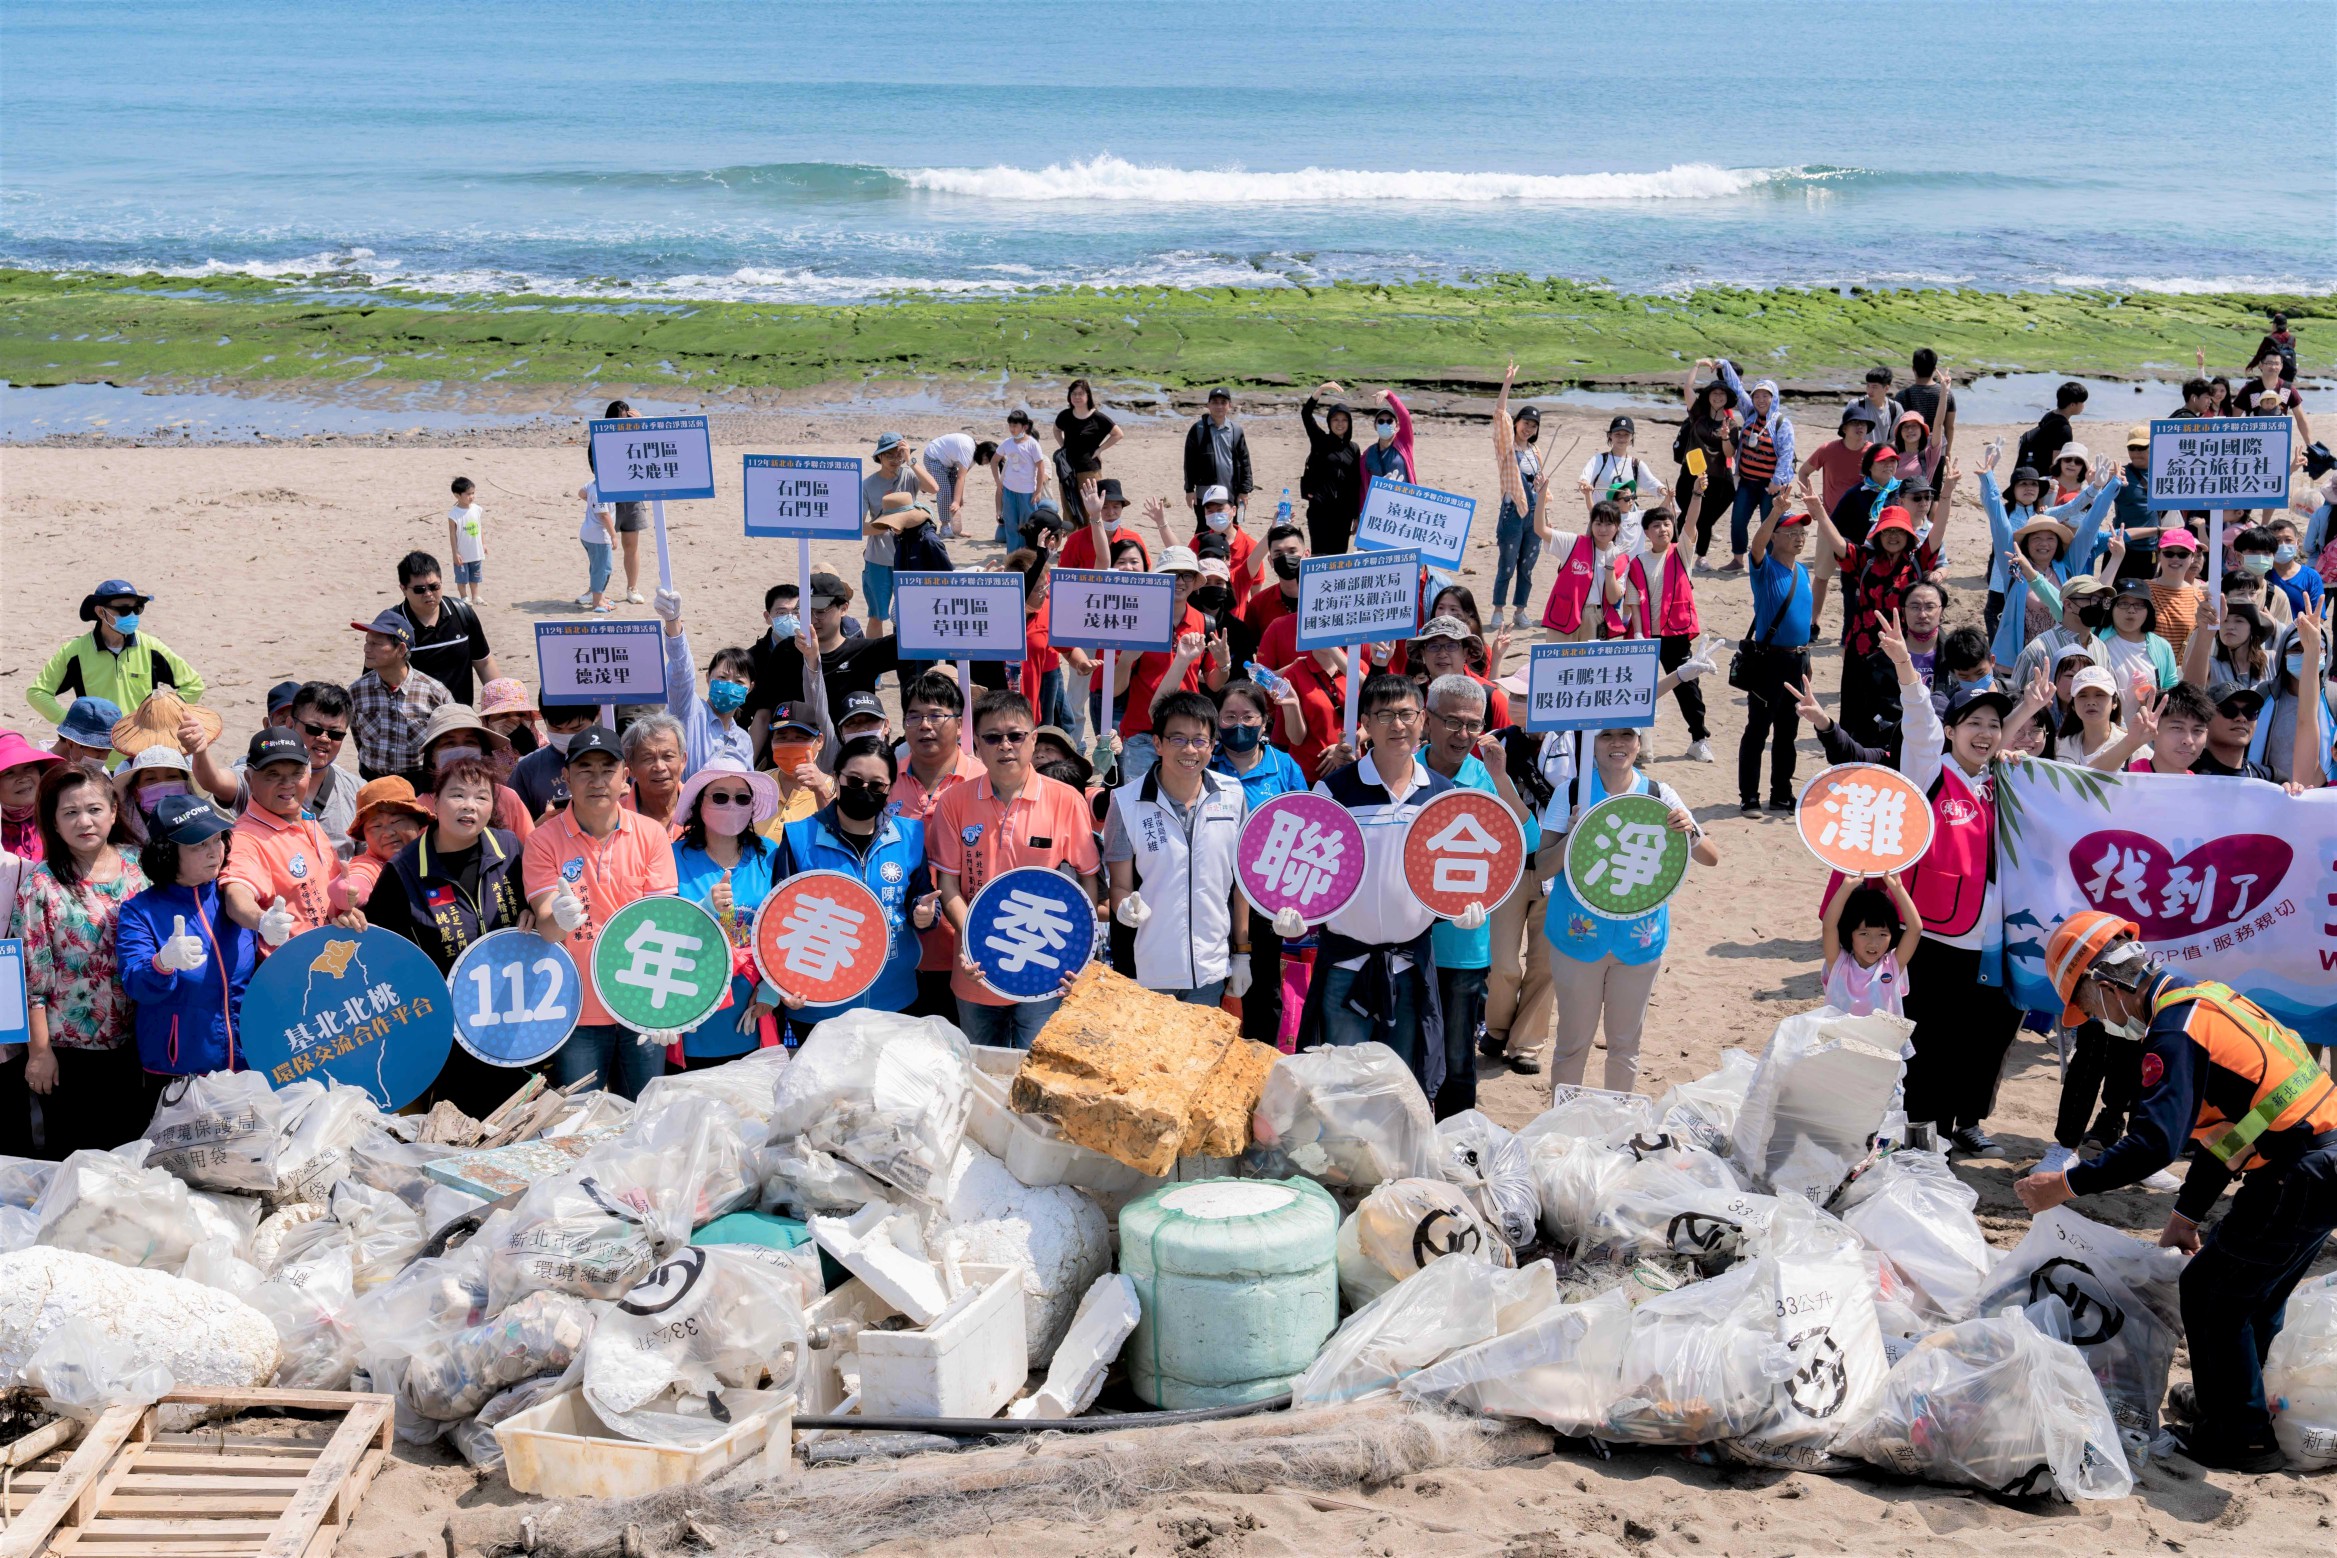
[2071,949]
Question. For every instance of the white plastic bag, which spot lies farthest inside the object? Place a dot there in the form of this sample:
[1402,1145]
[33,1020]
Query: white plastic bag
[309,1303]
[1813,1275]
[109,1204]
[84,1370]
[1573,1176]
[1817,1098]
[1450,1305]
[1698,1365]
[1406,1225]
[745,1084]
[887,1093]
[1560,1368]
[1592,1113]
[1704,1112]
[23,1179]
[1913,1208]
[2123,1303]
[219,1131]
[574,1233]
[476,1438]
[1343,1115]
[455,1375]
[708,1319]
[1677,1201]
[1489,1163]
[324,1121]
[2300,1377]
[1996,1404]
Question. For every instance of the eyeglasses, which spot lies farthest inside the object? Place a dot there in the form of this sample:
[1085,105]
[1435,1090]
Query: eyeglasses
[1396,717]
[1005,738]
[1190,743]
[423,589]
[324,732]
[927,717]
[1467,727]
[730,798]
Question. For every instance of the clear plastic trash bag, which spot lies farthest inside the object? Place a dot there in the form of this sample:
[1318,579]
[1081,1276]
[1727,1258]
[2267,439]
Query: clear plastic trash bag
[1405,1226]
[1449,1305]
[219,1131]
[1911,1206]
[888,1094]
[1704,1111]
[1349,1115]
[1491,1164]
[710,1318]
[2300,1377]
[111,1205]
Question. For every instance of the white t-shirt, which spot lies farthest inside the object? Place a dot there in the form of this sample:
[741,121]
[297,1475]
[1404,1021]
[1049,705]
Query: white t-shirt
[1652,566]
[2131,662]
[592,531]
[951,452]
[470,534]
[1603,470]
[1020,461]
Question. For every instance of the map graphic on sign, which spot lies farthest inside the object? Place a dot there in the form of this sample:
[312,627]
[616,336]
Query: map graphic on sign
[1863,820]
[661,963]
[1300,852]
[823,936]
[1461,848]
[1623,859]
[1028,930]
[364,1008]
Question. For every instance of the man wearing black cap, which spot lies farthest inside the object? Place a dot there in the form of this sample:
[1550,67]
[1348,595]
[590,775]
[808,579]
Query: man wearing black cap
[1217,454]
[2230,732]
[283,867]
[114,660]
[863,716]
[391,703]
[849,662]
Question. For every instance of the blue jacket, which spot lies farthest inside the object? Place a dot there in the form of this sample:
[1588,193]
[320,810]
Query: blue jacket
[894,871]
[186,1021]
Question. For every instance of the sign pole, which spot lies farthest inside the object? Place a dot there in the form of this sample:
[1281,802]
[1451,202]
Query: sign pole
[1111,670]
[665,561]
[966,696]
[803,575]
[1355,662]
[2215,558]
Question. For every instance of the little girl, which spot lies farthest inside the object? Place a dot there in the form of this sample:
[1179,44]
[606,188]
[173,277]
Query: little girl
[1867,940]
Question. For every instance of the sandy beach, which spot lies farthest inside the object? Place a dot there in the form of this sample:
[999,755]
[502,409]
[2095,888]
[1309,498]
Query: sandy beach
[259,556]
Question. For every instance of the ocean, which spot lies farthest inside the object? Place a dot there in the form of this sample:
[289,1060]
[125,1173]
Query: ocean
[752,149]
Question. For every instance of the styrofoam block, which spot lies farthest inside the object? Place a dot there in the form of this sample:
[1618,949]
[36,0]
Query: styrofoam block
[880,1245]
[1107,1317]
[968,1363]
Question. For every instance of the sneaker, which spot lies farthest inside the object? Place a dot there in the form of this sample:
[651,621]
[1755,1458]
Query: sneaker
[1781,803]
[1700,751]
[2056,1159]
[2164,1179]
[1972,1142]
[585,599]
[1524,1066]
[1494,1046]
[1733,565]
[633,598]
[2201,1445]
[1748,808]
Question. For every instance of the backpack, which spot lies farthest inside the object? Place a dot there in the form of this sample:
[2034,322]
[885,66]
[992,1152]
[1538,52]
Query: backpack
[920,551]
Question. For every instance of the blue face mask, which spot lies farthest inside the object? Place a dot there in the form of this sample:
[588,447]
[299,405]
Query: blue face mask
[1240,738]
[2294,665]
[2284,553]
[126,623]
[726,697]
[785,627]
[1385,430]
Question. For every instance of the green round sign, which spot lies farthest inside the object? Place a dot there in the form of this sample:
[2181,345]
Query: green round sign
[661,963]
[1623,859]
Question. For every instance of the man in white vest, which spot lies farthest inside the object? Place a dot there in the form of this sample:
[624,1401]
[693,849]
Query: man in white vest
[1169,844]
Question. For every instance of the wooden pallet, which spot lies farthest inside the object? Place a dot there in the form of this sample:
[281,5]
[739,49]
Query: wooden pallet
[128,1490]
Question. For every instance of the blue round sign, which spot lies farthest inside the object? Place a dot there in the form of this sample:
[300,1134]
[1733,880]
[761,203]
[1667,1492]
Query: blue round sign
[1028,930]
[364,1008]
[516,997]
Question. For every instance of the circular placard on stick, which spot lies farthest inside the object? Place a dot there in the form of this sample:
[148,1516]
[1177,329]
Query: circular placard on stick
[1623,859]
[822,935]
[661,963]
[1462,848]
[1028,930]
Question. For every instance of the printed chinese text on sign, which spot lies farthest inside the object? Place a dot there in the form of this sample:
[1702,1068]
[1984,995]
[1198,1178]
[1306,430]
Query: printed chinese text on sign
[1302,852]
[1622,857]
[661,963]
[1358,598]
[1597,686]
[652,459]
[1108,608]
[823,936]
[803,497]
[600,662]
[1864,820]
[2220,462]
[1028,930]
[960,616]
[364,1008]
[1398,516]
[1463,848]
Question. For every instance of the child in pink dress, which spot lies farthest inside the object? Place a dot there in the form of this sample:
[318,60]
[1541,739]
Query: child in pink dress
[1868,935]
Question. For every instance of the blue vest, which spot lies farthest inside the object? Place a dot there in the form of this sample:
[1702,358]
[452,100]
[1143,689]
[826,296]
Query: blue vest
[890,871]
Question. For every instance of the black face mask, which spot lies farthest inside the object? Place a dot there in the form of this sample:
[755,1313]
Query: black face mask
[860,802]
[1285,566]
[1212,598]
[523,740]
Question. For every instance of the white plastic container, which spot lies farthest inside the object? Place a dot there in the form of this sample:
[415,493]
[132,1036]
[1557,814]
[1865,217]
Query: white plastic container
[1033,1149]
[560,1449]
[968,1363]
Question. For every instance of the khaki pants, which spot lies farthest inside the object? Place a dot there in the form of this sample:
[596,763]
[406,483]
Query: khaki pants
[1517,996]
[1585,991]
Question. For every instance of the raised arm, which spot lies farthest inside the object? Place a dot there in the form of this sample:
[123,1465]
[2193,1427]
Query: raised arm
[2196,652]
[1910,918]
[2308,764]
[1830,922]
[1513,486]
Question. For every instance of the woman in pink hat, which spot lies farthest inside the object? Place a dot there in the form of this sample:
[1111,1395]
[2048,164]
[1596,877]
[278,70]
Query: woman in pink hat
[21,766]
[723,862]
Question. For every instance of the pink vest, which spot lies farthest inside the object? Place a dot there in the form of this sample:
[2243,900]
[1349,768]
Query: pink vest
[1950,882]
[1679,600]
[1563,613]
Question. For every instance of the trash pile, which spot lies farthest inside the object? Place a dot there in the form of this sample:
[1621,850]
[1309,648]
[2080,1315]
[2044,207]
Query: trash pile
[894,1224]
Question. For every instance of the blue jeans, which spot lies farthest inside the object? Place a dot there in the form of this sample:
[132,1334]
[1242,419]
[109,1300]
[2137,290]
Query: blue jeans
[1342,1026]
[1017,507]
[1005,1027]
[2235,1291]
[876,588]
[1517,547]
[1749,497]
[1054,708]
[1210,994]
[611,1052]
[1139,755]
[598,560]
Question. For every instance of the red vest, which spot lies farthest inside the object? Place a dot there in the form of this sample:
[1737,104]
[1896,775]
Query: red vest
[1679,600]
[1950,882]
[1568,595]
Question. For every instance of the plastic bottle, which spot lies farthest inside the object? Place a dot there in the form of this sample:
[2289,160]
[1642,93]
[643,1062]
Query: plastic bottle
[1264,678]
[1282,509]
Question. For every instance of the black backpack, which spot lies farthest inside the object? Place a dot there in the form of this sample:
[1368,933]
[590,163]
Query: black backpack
[920,551]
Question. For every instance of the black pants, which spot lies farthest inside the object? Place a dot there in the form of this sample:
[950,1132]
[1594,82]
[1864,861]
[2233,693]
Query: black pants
[1262,1007]
[2098,1065]
[1461,991]
[1963,1030]
[1870,709]
[2236,1287]
[1769,718]
[15,1110]
[1720,496]
[1994,613]
[1669,653]
[933,996]
[99,1101]
[1329,526]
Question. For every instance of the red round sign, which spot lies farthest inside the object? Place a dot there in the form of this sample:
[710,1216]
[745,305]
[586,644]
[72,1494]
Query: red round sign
[1464,847]
[822,935]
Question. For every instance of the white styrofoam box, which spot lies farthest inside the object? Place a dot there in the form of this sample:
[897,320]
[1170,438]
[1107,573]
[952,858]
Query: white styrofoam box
[559,1448]
[1034,1149]
[879,1244]
[968,1363]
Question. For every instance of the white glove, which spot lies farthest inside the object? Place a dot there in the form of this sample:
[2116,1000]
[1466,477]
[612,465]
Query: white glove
[668,605]
[662,1038]
[1133,911]
[1471,918]
[183,953]
[1237,975]
[1289,924]
[277,925]
[1697,664]
[567,910]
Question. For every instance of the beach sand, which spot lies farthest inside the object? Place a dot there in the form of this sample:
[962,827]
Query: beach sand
[259,557]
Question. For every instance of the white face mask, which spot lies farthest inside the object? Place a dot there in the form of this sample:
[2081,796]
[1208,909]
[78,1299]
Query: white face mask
[558,740]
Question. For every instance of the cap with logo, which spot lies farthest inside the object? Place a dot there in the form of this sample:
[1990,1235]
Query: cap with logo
[592,739]
[189,819]
[390,624]
[275,745]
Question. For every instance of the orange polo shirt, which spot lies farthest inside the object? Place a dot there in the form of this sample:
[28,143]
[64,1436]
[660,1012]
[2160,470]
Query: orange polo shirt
[911,799]
[294,861]
[634,861]
[974,836]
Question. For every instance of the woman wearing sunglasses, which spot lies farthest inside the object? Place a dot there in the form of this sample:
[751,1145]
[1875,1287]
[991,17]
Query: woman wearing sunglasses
[722,862]
[859,834]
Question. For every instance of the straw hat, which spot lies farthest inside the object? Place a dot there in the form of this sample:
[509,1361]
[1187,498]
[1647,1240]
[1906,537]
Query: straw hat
[389,793]
[157,721]
[2043,522]
[450,717]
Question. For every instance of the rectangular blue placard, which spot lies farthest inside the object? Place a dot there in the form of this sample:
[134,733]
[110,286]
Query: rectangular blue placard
[2220,462]
[1595,686]
[15,1027]
[600,662]
[1358,598]
[651,459]
[802,497]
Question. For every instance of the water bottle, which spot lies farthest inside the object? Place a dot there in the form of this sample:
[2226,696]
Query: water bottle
[1282,509]
[1265,679]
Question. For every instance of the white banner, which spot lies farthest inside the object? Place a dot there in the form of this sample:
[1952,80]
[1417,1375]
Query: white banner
[2230,879]
[960,616]
[804,497]
[2220,463]
[1396,515]
[1595,686]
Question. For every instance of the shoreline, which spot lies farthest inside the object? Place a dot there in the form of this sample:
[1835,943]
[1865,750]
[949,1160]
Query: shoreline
[1443,343]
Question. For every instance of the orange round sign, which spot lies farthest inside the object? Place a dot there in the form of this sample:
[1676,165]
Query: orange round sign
[1864,820]
[1464,847]
[822,935]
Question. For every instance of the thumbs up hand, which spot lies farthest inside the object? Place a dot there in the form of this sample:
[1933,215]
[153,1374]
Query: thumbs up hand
[183,952]
[567,909]
[277,925]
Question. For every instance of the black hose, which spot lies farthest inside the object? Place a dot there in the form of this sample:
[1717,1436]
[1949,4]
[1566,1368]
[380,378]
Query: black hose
[983,1427]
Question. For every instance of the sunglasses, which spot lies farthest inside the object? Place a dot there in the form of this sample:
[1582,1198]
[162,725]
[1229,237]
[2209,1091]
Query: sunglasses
[324,732]
[854,782]
[1005,738]
[423,589]
[730,798]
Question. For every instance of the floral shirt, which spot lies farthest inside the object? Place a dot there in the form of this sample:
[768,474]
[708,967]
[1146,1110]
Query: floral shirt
[69,963]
